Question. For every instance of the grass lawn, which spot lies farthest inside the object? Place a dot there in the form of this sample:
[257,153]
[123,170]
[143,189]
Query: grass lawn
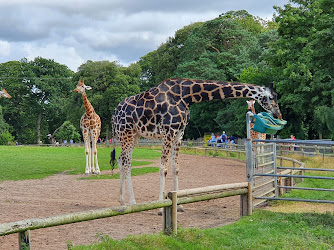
[314,162]
[262,230]
[29,162]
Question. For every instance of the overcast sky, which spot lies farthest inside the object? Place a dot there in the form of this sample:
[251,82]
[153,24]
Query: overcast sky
[74,31]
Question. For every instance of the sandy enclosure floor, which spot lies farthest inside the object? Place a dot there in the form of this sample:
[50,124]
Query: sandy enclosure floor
[63,194]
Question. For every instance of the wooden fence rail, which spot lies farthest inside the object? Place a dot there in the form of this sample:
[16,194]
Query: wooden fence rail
[244,189]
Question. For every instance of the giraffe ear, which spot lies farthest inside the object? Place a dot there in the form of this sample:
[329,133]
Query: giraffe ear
[271,86]
[88,87]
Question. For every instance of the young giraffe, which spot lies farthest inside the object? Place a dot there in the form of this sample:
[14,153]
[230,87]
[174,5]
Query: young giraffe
[254,135]
[90,125]
[163,112]
[4,93]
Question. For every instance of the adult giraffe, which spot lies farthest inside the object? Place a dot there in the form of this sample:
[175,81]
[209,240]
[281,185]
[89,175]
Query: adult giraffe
[90,125]
[163,112]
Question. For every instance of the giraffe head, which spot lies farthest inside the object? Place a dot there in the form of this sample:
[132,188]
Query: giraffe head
[4,93]
[81,87]
[250,104]
[267,98]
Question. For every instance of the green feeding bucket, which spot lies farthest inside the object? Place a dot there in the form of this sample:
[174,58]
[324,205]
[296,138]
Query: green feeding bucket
[265,123]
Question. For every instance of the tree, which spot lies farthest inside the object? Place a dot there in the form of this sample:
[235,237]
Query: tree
[110,83]
[48,90]
[16,113]
[221,49]
[67,132]
[5,135]
[39,89]
[303,56]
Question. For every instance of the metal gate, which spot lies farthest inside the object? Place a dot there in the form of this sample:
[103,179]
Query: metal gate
[264,162]
[263,173]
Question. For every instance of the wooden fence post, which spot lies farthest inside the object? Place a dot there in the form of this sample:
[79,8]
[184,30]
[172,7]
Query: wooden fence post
[281,190]
[174,212]
[246,201]
[316,150]
[243,204]
[292,172]
[302,150]
[24,240]
[170,215]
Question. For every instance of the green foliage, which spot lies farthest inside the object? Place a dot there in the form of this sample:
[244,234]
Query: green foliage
[262,230]
[110,83]
[68,132]
[3,125]
[38,90]
[232,118]
[221,49]
[302,56]
[6,137]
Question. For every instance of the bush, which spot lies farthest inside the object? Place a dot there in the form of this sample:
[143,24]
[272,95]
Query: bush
[6,137]
[68,132]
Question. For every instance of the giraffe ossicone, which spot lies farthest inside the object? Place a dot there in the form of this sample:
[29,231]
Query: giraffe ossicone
[90,125]
[163,112]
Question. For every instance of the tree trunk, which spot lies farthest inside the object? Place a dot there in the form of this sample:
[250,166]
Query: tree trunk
[107,132]
[39,119]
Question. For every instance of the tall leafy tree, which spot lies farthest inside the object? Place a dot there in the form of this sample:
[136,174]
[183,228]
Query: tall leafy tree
[303,56]
[13,76]
[38,88]
[221,49]
[48,89]
[110,83]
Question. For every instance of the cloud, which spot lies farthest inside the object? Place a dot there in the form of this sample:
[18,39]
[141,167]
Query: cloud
[4,48]
[74,31]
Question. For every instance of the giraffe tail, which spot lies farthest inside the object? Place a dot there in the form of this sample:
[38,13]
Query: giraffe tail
[112,160]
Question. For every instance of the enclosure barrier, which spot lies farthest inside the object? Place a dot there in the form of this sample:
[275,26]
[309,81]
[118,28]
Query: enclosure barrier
[285,182]
[305,150]
[169,204]
[244,189]
[227,151]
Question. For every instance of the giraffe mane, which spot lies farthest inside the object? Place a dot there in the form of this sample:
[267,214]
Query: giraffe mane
[208,81]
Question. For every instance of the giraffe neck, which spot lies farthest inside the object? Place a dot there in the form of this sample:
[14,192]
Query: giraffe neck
[194,91]
[88,106]
[253,109]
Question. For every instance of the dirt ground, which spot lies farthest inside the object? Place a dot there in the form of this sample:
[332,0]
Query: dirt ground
[63,194]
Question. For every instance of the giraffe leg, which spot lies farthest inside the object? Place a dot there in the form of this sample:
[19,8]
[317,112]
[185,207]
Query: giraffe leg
[175,167]
[166,149]
[88,156]
[120,162]
[95,163]
[124,163]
